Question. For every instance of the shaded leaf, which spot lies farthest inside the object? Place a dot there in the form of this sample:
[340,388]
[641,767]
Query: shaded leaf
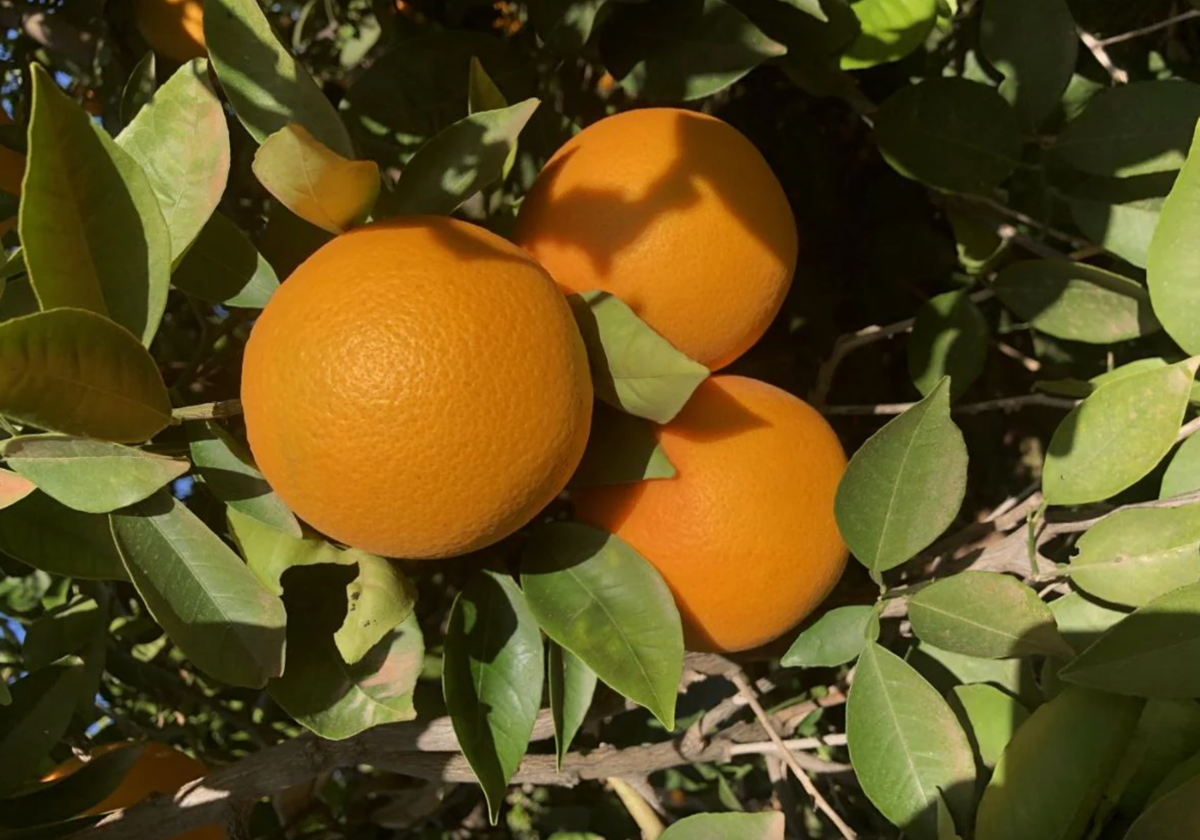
[949,338]
[270,552]
[1183,471]
[597,597]
[482,93]
[904,486]
[223,266]
[1121,213]
[230,474]
[1117,435]
[492,679]
[946,669]
[62,631]
[621,449]
[1180,773]
[46,535]
[572,685]
[765,826]
[891,29]
[139,87]
[1081,620]
[1172,272]
[906,745]
[13,488]
[73,371]
[201,593]
[90,475]
[1167,733]
[72,794]
[1176,814]
[41,708]
[836,638]
[1034,45]
[991,716]
[633,367]
[565,25]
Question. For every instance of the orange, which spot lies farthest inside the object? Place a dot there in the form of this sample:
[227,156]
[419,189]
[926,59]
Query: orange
[173,28]
[744,535]
[417,388]
[159,769]
[678,215]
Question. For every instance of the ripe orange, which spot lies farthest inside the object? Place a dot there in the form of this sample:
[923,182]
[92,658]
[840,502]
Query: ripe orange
[417,388]
[677,214]
[744,535]
[159,769]
[173,28]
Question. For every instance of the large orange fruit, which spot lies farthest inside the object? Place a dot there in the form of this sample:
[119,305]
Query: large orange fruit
[744,535]
[417,388]
[159,769]
[173,28]
[678,215]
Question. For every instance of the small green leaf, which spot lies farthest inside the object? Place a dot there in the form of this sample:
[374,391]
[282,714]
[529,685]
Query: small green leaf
[1076,301]
[92,234]
[565,25]
[73,371]
[1054,771]
[1176,814]
[1171,263]
[46,535]
[267,87]
[597,597]
[139,87]
[228,471]
[62,631]
[976,240]
[90,475]
[1146,654]
[13,488]
[905,485]
[949,133]
[836,638]
[572,685]
[633,367]
[985,614]
[201,593]
[1117,435]
[1121,213]
[1183,471]
[181,142]
[41,709]
[482,93]
[1034,45]
[1133,556]
[906,745]
[492,678]
[223,266]
[458,162]
[765,826]
[1132,129]
[319,689]
[317,184]
[891,29]
[949,338]
[991,716]
[621,449]
[72,794]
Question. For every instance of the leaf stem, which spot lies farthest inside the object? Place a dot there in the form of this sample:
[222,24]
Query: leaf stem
[638,808]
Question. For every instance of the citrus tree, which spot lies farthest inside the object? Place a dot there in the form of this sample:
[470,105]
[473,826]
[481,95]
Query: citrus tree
[574,419]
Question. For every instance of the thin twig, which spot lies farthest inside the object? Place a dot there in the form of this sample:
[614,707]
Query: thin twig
[1188,429]
[207,411]
[999,404]
[1096,48]
[1027,220]
[1146,30]
[649,823]
[747,691]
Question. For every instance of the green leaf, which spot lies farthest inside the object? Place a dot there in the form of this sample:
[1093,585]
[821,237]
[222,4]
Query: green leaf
[976,240]
[633,367]
[1133,556]
[1132,129]
[1171,263]
[1081,621]
[565,25]
[460,161]
[991,716]
[597,597]
[139,87]
[621,449]
[62,631]
[181,142]
[482,93]
[891,29]
[835,638]
[904,486]
[201,593]
[73,371]
[1146,654]
[317,184]
[1176,814]
[267,87]
[270,552]
[572,685]
[1034,45]
[1121,213]
[492,679]
[318,689]
[1077,302]
[1180,773]
[1117,435]
[223,266]
[1183,470]
[72,794]
[949,133]
[1167,733]
[41,709]
[682,51]
[228,471]
[92,234]
[949,338]
[46,535]
[765,826]
[90,475]
[906,745]
[13,488]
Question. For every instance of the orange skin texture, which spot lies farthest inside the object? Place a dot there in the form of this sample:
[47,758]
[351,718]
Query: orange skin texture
[417,388]
[678,215]
[744,535]
[159,769]
[173,28]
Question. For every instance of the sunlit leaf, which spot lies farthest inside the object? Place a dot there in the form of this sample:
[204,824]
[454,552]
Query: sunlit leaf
[13,488]
[1173,261]
[834,639]
[1183,471]
[949,338]
[765,826]
[572,685]
[891,29]
[991,716]
[1121,213]
[229,472]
